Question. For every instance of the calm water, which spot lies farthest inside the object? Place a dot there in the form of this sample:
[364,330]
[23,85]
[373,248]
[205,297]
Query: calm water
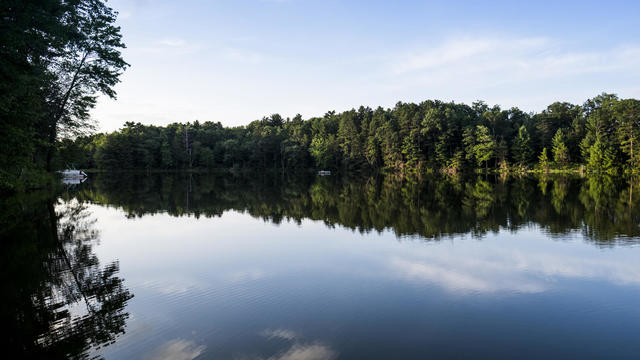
[185,266]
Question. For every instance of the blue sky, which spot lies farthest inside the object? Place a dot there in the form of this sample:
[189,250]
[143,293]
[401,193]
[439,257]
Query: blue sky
[236,61]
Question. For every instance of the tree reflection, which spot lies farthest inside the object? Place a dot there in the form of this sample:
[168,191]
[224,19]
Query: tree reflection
[604,209]
[59,301]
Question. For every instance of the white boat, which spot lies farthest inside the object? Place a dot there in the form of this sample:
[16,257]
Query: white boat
[324,172]
[72,174]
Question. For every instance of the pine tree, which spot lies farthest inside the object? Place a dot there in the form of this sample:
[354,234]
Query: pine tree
[521,147]
[469,141]
[484,147]
[560,151]
[543,160]
[628,131]
[601,158]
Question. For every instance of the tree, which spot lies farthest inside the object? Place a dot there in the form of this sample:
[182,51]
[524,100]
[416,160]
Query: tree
[543,160]
[349,140]
[56,57]
[89,64]
[555,116]
[206,158]
[601,158]
[166,158]
[484,145]
[469,141]
[560,151]
[32,35]
[521,148]
[600,122]
[628,131]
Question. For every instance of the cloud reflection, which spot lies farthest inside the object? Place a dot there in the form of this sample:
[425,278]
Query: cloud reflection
[461,280]
[495,269]
[307,352]
[279,334]
[177,349]
[297,348]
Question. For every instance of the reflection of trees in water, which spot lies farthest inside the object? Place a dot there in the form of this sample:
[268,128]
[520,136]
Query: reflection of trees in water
[604,208]
[59,301]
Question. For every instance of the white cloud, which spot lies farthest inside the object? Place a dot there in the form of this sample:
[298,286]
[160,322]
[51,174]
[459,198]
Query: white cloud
[493,60]
[168,47]
[172,42]
[244,56]
[235,81]
[444,54]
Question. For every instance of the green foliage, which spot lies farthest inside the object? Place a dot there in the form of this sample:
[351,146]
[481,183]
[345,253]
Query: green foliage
[543,160]
[432,134]
[560,151]
[556,116]
[601,158]
[56,58]
[521,147]
[628,132]
[484,145]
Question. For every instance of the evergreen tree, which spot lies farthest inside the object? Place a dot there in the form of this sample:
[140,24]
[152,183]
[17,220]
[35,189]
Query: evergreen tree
[484,147]
[521,147]
[601,158]
[560,151]
[543,160]
[628,131]
[600,123]
[469,141]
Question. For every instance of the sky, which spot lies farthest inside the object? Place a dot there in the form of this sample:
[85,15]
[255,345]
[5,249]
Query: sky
[235,61]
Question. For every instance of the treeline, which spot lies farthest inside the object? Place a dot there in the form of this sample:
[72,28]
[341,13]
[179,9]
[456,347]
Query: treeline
[602,134]
[605,209]
[56,57]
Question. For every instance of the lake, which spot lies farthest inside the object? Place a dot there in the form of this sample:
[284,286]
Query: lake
[282,266]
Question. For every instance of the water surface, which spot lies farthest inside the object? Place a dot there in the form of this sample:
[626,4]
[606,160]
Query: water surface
[272,266]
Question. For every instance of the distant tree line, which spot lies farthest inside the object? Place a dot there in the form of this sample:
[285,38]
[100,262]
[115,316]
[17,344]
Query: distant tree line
[602,134]
[56,57]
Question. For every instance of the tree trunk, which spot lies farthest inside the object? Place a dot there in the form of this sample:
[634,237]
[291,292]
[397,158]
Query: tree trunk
[51,145]
[633,162]
[53,133]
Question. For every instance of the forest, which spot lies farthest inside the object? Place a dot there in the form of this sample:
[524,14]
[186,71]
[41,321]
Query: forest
[597,137]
